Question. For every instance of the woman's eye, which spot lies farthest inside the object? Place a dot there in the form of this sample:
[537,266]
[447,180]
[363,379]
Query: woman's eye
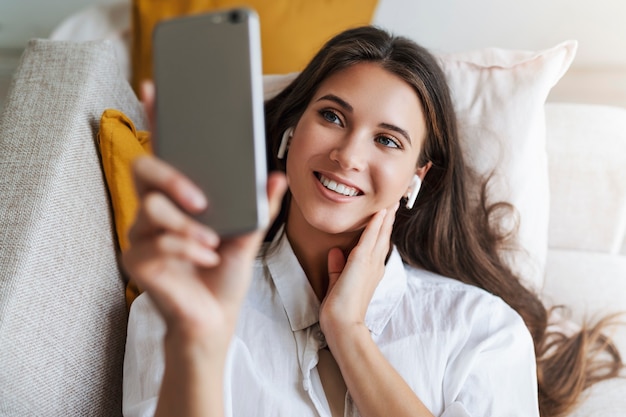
[331,116]
[387,141]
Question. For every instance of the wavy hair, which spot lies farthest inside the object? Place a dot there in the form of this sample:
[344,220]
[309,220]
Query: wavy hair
[452,229]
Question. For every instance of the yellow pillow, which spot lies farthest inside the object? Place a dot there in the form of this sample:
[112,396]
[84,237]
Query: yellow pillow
[120,143]
[291,30]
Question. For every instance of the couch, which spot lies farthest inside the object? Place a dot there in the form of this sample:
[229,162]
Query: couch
[62,304]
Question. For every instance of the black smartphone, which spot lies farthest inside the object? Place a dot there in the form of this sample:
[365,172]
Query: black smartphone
[209,112]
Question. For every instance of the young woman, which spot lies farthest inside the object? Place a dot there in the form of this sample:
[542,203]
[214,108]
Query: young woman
[371,295]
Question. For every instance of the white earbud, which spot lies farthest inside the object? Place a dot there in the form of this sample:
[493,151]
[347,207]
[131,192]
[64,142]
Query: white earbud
[284,142]
[414,189]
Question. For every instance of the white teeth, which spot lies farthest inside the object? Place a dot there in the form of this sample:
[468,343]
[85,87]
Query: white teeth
[338,188]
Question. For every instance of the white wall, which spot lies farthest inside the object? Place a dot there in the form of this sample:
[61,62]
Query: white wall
[454,25]
[447,25]
[21,20]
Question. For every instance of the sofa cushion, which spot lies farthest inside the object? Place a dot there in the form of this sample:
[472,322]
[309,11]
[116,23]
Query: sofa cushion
[604,399]
[587,159]
[62,307]
[591,284]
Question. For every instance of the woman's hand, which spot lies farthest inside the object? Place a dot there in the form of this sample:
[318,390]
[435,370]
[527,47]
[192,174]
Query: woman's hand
[374,384]
[352,282]
[196,280]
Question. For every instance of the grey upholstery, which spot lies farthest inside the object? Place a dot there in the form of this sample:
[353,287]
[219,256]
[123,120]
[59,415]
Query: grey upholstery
[62,307]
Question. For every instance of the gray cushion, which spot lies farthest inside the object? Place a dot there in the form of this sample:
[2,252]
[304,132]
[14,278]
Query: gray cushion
[62,307]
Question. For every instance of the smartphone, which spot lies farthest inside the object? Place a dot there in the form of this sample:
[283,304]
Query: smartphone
[209,113]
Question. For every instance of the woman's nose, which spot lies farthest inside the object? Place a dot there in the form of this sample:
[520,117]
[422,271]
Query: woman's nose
[350,153]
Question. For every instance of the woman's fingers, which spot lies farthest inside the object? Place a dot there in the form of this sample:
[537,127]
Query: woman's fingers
[377,235]
[152,174]
[384,234]
[336,264]
[148,94]
[149,257]
[276,187]
[240,249]
[158,214]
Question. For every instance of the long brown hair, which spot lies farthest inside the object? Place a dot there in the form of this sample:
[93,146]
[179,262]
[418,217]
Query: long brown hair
[452,230]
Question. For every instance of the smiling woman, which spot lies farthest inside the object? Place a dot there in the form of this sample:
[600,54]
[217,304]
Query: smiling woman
[349,136]
[360,302]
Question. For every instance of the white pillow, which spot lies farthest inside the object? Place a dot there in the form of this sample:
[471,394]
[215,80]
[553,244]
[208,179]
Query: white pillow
[499,98]
[275,83]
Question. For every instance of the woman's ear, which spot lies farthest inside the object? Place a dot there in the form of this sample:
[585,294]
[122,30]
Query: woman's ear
[423,170]
[416,184]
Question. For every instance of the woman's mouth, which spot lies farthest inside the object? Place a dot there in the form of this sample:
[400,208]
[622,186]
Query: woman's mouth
[339,188]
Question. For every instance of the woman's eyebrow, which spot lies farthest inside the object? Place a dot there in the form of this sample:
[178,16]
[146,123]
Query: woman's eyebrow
[337,100]
[397,130]
[346,106]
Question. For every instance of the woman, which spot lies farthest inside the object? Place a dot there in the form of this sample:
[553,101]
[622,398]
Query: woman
[347,310]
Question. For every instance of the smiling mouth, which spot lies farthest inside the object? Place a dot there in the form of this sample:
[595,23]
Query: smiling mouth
[337,187]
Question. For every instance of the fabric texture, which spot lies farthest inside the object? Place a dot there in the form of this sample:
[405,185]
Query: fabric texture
[291,30]
[587,150]
[603,400]
[62,309]
[109,21]
[451,342]
[590,284]
[499,97]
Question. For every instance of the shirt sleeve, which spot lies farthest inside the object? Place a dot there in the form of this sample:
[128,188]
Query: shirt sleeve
[144,359]
[494,372]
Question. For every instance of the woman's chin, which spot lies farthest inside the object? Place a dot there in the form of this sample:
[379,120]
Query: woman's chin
[339,227]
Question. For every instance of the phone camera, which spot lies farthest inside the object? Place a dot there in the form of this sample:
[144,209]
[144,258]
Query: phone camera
[235,16]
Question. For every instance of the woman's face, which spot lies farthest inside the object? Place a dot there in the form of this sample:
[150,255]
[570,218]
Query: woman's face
[354,150]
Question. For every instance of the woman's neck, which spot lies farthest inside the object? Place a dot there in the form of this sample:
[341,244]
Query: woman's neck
[311,247]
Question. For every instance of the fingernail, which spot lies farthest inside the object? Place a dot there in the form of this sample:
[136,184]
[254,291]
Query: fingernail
[209,257]
[196,199]
[209,238]
[146,89]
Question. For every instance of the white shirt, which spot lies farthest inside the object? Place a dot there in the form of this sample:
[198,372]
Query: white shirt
[464,352]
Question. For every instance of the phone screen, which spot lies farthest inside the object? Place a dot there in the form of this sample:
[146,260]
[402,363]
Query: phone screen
[209,113]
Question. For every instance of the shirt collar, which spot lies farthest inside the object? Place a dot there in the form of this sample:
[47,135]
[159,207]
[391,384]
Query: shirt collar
[301,303]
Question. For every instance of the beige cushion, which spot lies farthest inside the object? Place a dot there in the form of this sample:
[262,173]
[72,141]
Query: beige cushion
[587,164]
[62,309]
[605,399]
[592,285]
